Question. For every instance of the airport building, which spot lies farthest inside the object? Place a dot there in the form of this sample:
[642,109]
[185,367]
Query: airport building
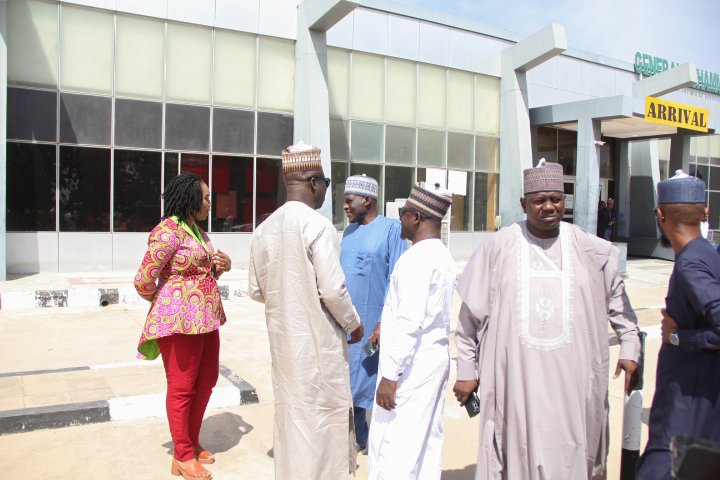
[106,100]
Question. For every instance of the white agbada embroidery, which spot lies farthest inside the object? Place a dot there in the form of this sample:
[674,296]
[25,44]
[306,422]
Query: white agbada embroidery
[544,311]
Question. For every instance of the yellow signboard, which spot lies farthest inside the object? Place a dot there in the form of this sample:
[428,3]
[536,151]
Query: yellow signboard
[676,114]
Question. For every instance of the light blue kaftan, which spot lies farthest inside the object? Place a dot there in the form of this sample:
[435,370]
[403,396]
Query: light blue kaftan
[368,255]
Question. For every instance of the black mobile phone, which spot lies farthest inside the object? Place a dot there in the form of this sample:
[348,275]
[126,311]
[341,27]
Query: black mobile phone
[473,405]
[370,348]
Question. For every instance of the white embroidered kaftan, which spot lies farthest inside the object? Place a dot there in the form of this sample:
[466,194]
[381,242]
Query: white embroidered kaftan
[294,269]
[533,327]
[406,443]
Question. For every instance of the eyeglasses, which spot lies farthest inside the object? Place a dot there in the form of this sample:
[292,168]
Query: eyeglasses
[324,179]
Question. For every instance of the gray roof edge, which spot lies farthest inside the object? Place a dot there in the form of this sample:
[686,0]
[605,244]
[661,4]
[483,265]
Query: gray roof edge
[440,18]
[452,21]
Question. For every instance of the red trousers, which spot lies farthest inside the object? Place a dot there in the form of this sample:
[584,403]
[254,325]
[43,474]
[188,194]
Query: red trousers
[192,364]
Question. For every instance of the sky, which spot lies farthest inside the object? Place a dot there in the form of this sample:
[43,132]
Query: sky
[677,30]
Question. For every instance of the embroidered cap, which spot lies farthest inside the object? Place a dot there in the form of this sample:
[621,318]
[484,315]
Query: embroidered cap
[681,188]
[545,177]
[362,185]
[301,158]
[433,203]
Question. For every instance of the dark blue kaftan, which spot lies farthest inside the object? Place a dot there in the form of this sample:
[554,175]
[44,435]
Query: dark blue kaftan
[368,254]
[687,392]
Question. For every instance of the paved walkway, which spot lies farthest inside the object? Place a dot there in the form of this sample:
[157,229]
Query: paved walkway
[75,365]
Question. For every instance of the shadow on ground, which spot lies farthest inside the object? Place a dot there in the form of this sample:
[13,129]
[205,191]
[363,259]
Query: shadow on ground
[467,473]
[220,432]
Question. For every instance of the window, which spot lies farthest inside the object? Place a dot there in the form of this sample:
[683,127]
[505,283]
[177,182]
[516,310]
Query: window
[86,49]
[400,145]
[234,68]
[274,133]
[339,139]
[486,154]
[84,189]
[31,191]
[187,127]
[431,148]
[271,192]
[32,41]
[486,201]
[85,119]
[487,105]
[401,92]
[432,96]
[139,47]
[136,193]
[367,142]
[460,183]
[368,86]
[232,194]
[199,165]
[460,100]
[398,182]
[31,114]
[276,75]
[460,151]
[189,57]
[338,63]
[138,124]
[233,131]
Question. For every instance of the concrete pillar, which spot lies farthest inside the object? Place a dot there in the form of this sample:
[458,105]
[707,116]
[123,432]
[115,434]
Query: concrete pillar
[312,111]
[312,105]
[515,145]
[622,202]
[3,138]
[679,154]
[587,175]
[645,168]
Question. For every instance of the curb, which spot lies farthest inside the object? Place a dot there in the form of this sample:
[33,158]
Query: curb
[117,409]
[92,297]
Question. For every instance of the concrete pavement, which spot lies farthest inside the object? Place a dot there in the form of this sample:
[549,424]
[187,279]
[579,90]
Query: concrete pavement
[58,359]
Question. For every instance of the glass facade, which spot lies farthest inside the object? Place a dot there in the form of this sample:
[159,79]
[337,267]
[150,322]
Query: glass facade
[705,164]
[91,143]
[402,121]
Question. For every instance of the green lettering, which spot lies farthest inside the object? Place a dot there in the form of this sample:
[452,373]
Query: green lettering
[647,65]
[638,62]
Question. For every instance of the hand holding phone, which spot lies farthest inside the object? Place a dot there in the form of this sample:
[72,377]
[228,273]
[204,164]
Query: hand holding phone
[473,404]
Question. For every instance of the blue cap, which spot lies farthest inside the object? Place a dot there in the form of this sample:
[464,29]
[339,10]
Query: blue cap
[681,188]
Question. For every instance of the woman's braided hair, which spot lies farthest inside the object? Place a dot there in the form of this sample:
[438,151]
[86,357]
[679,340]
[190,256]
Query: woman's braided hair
[183,196]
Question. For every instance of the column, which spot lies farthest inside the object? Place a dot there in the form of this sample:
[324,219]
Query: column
[3,130]
[587,175]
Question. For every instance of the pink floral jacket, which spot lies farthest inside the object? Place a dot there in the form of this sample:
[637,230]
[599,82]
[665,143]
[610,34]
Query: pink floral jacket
[176,270]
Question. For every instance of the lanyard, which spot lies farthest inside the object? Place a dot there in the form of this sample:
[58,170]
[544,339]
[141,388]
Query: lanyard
[194,231]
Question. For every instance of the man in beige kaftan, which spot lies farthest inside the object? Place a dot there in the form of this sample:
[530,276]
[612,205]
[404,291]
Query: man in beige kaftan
[532,332]
[294,269]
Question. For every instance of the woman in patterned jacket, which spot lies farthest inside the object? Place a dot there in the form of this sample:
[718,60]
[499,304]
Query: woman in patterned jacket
[178,276]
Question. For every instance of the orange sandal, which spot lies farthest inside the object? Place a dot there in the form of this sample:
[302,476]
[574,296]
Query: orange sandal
[203,456]
[189,470]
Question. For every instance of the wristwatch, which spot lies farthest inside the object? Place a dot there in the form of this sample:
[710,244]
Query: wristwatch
[674,339]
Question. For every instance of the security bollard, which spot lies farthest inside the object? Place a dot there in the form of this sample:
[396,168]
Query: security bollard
[632,421]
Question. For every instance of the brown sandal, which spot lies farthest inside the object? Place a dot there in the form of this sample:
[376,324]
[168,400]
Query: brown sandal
[203,456]
[189,470]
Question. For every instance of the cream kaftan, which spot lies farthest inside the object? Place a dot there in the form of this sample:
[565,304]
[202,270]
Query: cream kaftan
[294,270]
[533,327]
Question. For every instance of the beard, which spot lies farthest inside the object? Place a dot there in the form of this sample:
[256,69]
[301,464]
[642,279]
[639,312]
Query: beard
[664,240]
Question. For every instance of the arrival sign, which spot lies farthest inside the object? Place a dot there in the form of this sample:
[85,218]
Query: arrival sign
[676,114]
